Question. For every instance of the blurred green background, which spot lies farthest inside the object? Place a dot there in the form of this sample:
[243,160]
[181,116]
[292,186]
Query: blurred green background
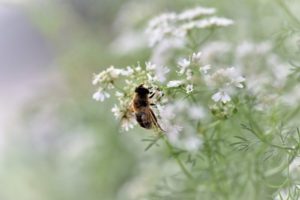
[56,142]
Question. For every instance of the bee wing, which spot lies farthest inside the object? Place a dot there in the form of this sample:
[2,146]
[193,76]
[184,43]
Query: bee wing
[154,120]
[147,119]
[131,107]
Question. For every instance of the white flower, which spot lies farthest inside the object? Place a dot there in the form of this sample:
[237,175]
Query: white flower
[206,23]
[221,96]
[189,74]
[183,65]
[138,68]
[123,113]
[221,21]
[150,77]
[129,71]
[160,73]
[162,20]
[113,72]
[150,66]
[225,77]
[110,74]
[196,112]
[189,88]
[295,167]
[195,13]
[174,83]
[166,112]
[205,69]
[213,50]
[116,111]
[119,94]
[196,56]
[218,79]
[236,79]
[213,21]
[127,124]
[128,82]
[96,79]
[100,95]
[173,131]
[161,26]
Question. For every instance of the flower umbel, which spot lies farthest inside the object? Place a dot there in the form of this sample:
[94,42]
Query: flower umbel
[170,26]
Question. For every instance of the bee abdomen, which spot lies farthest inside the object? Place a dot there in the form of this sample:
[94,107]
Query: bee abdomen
[142,119]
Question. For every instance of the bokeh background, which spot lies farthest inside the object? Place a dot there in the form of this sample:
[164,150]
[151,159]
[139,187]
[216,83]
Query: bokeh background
[56,142]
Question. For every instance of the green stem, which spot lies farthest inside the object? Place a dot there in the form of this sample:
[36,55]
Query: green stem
[211,31]
[181,165]
[282,167]
[119,88]
[212,125]
[292,114]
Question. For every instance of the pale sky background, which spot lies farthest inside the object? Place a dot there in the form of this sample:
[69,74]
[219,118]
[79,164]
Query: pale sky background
[24,57]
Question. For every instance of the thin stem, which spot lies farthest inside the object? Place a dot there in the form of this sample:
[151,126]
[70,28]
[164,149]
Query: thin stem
[153,142]
[193,43]
[119,88]
[181,165]
[211,31]
[282,167]
[288,12]
[259,134]
[292,114]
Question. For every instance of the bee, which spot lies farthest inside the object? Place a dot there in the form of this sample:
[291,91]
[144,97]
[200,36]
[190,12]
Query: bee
[141,107]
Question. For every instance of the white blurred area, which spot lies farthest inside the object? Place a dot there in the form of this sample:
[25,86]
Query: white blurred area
[25,61]
[14,1]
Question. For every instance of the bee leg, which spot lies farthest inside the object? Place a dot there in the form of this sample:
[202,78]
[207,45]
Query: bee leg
[152,95]
[152,104]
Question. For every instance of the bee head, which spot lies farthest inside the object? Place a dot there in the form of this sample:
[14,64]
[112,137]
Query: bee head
[141,90]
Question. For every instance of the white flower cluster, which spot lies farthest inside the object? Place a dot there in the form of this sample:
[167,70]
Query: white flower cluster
[290,193]
[106,79]
[182,135]
[250,57]
[130,78]
[186,67]
[225,80]
[213,51]
[191,73]
[170,26]
[294,168]
[160,72]
[123,112]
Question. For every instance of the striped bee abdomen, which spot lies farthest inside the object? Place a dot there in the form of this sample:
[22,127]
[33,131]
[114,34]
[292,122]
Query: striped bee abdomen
[143,119]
